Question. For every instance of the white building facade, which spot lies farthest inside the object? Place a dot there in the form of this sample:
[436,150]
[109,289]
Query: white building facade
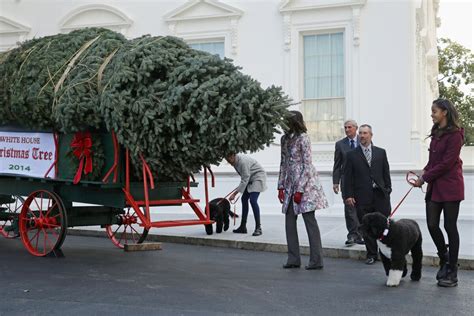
[374,61]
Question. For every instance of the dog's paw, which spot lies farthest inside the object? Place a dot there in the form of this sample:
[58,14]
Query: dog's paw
[405,271]
[415,275]
[392,283]
[208,229]
[394,277]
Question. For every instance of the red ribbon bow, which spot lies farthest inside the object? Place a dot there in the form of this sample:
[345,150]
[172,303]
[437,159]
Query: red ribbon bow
[81,144]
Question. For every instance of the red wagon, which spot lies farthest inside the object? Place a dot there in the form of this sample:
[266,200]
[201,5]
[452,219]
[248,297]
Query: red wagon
[39,209]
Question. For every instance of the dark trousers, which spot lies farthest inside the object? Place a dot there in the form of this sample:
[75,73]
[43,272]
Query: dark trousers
[352,222]
[380,203]
[314,237]
[253,197]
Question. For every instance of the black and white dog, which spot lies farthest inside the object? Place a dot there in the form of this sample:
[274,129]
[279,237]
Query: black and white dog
[219,210]
[395,239]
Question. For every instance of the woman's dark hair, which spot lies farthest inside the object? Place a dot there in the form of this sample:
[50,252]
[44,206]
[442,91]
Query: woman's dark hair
[296,123]
[452,117]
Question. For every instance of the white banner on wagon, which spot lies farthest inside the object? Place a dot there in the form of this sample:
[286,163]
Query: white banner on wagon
[29,154]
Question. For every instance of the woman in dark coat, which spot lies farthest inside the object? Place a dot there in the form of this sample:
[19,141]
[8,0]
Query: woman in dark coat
[443,173]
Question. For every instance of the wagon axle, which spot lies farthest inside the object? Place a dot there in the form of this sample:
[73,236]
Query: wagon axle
[42,223]
[127,219]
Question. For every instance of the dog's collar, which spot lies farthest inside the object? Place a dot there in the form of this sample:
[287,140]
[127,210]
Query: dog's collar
[384,234]
[385,231]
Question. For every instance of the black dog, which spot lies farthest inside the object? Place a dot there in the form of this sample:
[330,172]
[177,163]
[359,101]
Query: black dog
[395,239]
[219,210]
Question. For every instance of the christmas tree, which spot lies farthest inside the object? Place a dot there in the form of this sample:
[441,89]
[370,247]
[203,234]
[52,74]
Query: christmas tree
[178,107]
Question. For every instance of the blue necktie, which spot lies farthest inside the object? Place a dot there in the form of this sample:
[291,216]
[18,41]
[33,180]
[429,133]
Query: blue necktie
[352,144]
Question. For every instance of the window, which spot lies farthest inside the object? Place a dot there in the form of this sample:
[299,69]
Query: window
[215,48]
[324,95]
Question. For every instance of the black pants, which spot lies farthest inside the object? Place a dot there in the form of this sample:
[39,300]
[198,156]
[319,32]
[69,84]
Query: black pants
[450,213]
[380,203]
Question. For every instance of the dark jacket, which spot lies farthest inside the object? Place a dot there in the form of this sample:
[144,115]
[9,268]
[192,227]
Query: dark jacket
[444,169]
[341,148]
[358,175]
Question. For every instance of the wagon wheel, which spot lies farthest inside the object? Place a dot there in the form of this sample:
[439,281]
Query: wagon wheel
[9,226]
[128,230]
[43,223]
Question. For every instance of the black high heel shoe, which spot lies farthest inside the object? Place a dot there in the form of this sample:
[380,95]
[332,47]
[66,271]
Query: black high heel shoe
[291,266]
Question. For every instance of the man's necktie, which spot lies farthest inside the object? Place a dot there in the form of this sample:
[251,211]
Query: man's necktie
[352,144]
[368,155]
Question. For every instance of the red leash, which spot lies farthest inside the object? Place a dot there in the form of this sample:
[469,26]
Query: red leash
[225,197]
[411,178]
[233,202]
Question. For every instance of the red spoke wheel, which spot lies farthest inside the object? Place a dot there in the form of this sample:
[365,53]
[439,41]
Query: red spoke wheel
[43,223]
[9,213]
[128,230]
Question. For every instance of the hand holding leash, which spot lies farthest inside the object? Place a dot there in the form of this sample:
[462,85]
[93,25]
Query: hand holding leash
[233,197]
[414,181]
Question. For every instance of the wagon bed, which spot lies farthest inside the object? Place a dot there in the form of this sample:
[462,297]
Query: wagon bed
[40,209]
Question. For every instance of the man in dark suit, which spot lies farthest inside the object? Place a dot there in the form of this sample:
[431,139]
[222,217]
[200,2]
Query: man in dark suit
[350,142]
[367,184]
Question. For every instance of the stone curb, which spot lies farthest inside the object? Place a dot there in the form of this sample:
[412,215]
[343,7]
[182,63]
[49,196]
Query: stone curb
[331,252]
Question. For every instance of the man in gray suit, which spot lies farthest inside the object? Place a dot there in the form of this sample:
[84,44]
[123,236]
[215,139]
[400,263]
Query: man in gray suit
[343,146]
[253,180]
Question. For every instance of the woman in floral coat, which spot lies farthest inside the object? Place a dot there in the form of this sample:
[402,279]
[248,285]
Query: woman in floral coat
[300,192]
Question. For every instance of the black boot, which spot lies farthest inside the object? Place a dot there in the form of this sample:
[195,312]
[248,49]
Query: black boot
[451,278]
[258,231]
[242,228]
[443,265]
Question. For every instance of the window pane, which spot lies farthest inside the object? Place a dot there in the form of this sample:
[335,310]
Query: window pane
[324,119]
[324,104]
[323,43]
[214,48]
[323,65]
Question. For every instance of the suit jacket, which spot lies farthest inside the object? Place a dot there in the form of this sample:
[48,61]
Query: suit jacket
[342,147]
[252,174]
[358,175]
